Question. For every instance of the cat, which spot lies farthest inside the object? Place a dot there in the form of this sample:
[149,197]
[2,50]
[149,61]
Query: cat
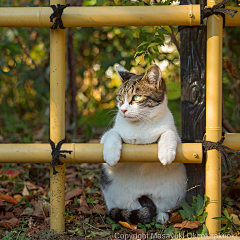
[137,192]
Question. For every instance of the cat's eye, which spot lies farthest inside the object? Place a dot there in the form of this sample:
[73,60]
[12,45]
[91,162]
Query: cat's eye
[120,97]
[136,98]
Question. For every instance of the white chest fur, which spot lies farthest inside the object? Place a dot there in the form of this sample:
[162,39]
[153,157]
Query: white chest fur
[143,132]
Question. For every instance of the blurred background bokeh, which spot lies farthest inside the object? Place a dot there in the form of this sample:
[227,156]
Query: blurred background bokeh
[90,79]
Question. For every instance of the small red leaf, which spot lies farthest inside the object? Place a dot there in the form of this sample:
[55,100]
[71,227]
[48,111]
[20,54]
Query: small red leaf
[13,173]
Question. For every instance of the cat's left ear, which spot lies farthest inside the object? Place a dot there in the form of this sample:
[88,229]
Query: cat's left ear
[123,74]
[154,76]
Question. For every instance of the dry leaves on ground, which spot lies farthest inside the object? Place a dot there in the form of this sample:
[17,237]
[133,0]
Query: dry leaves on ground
[188,224]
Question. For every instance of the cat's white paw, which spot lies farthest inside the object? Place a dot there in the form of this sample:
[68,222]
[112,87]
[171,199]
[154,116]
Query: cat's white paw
[112,153]
[166,155]
[162,217]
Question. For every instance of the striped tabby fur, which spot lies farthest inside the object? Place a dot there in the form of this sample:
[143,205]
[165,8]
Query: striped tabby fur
[136,192]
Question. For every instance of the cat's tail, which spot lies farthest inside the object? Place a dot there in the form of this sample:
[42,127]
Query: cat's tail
[143,215]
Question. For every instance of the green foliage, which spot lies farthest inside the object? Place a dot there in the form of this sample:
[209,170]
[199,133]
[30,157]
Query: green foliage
[115,226]
[196,212]
[230,227]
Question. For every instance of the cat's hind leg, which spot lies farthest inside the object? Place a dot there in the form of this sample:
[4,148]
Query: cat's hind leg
[162,217]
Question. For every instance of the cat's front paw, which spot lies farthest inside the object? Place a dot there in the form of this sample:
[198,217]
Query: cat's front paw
[162,217]
[166,155]
[111,153]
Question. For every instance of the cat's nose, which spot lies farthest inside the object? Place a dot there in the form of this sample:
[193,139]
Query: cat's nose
[123,111]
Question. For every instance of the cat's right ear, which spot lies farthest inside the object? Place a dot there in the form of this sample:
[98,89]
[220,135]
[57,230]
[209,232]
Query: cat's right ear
[123,74]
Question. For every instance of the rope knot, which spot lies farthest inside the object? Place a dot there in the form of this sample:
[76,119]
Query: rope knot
[57,13]
[218,9]
[56,153]
[209,145]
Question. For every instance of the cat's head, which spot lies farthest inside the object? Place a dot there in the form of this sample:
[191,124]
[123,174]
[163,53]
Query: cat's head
[141,97]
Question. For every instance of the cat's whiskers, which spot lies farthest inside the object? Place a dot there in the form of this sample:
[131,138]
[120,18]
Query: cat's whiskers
[112,120]
[110,113]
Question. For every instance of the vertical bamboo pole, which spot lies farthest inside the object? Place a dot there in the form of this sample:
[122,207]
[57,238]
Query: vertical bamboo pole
[57,122]
[214,118]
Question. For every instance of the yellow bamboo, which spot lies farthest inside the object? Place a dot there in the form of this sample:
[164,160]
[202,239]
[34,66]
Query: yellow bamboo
[92,153]
[102,16]
[57,123]
[214,118]
[188,15]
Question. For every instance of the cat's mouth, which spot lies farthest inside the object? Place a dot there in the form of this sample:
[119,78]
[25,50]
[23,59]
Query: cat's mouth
[130,118]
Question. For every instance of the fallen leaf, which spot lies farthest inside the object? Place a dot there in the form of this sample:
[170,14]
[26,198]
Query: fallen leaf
[12,173]
[229,210]
[27,212]
[89,184]
[235,219]
[83,201]
[99,209]
[69,219]
[38,209]
[25,191]
[237,180]
[74,193]
[127,225]
[8,206]
[18,197]
[31,186]
[11,223]
[175,218]
[4,224]
[104,226]
[42,227]
[8,199]
[17,211]
[187,224]
[68,202]
[9,215]
[30,197]
[83,209]
[46,208]
[3,190]
[136,233]
[8,184]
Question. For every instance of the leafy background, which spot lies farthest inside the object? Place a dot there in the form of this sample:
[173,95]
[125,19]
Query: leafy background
[91,84]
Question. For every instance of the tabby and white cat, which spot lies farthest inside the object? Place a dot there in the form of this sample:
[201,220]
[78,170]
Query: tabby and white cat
[136,192]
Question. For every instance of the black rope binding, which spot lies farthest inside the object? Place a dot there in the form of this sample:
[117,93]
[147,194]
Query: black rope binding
[57,13]
[56,153]
[209,145]
[218,9]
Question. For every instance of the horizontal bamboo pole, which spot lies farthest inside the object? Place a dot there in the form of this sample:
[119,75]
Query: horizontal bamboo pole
[188,15]
[92,153]
[102,16]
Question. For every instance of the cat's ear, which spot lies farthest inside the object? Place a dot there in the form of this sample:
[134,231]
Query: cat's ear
[123,74]
[154,76]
